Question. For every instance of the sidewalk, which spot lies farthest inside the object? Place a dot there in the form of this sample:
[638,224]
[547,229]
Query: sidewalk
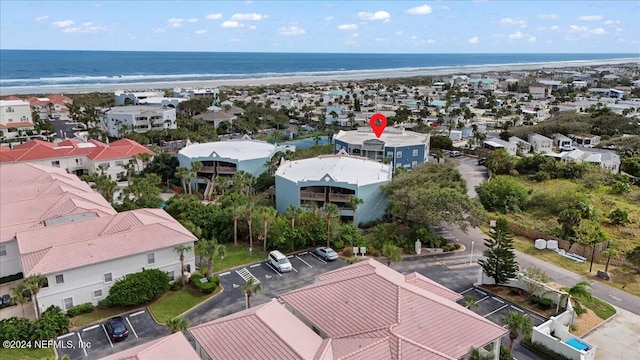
[619,338]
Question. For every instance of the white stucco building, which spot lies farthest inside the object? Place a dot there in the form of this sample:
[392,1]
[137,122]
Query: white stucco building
[139,118]
[14,115]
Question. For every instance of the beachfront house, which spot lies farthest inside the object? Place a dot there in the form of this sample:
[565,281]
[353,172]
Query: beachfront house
[123,98]
[138,118]
[538,90]
[15,119]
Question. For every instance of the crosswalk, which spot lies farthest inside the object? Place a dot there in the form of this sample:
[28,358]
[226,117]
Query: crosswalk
[246,275]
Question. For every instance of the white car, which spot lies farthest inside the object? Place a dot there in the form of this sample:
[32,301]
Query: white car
[279,261]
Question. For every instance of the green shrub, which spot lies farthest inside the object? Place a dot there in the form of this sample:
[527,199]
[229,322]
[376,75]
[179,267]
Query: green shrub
[352,260]
[620,187]
[80,309]
[503,194]
[619,217]
[139,288]
[542,350]
[206,287]
[543,302]
[338,244]
[52,323]
[176,285]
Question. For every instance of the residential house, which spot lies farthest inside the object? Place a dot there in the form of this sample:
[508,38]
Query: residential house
[608,93]
[403,148]
[562,142]
[605,159]
[552,84]
[52,105]
[216,115]
[138,118]
[585,140]
[334,179]
[540,143]
[497,143]
[538,90]
[133,97]
[191,93]
[79,157]
[376,312]
[15,119]
[523,146]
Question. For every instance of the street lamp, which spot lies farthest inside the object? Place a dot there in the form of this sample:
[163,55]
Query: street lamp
[471,256]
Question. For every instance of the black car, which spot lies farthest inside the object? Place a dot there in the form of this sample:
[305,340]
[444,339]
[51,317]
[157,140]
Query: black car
[482,161]
[116,328]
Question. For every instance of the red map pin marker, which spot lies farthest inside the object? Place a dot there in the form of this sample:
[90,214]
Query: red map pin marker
[378,122]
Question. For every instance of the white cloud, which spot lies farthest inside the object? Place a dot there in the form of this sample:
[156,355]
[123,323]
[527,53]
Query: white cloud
[64,23]
[532,39]
[597,31]
[590,18]
[175,22]
[248,17]
[192,20]
[517,35]
[419,10]
[608,22]
[158,30]
[579,29]
[231,24]
[431,41]
[348,27]
[355,35]
[548,16]
[252,27]
[86,27]
[291,31]
[399,32]
[214,16]
[554,28]
[328,18]
[42,18]
[444,8]
[514,21]
[474,40]
[377,16]
[200,32]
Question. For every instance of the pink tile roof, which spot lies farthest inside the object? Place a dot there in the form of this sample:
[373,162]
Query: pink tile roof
[174,346]
[369,299]
[268,331]
[70,245]
[94,150]
[17,125]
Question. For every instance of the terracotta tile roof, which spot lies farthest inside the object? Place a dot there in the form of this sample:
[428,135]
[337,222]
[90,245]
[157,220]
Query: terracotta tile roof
[268,331]
[174,346]
[12,97]
[432,286]
[410,314]
[94,150]
[79,243]
[17,125]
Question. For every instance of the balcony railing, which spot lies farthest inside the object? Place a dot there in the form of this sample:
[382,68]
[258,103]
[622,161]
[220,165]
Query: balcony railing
[310,195]
[208,169]
[227,170]
[339,197]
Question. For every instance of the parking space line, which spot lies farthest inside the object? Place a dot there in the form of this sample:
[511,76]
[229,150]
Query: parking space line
[274,269]
[495,311]
[91,328]
[294,269]
[224,273]
[255,265]
[107,334]
[318,258]
[517,309]
[498,300]
[484,298]
[84,347]
[303,253]
[481,292]
[137,313]
[306,263]
[131,326]
[66,335]
[537,317]
[469,289]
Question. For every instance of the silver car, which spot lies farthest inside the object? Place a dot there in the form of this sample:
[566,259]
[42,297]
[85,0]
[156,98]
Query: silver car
[326,253]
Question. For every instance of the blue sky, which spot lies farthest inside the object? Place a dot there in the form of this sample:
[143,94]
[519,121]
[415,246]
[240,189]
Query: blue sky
[324,26]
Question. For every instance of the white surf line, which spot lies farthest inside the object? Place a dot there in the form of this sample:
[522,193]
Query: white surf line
[107,334]
[469,289]
[91,327]
[274,269]
[137,313]
[66,335]
[517,309]
[255,265]
[498,300]
[84,348]
[495,311]
[306,263]
[484,298]
[224,273]
[132,329]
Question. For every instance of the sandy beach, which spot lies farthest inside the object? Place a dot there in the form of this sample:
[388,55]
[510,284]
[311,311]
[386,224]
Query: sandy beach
[309,78]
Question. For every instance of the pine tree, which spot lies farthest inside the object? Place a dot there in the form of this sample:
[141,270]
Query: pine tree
[500,259]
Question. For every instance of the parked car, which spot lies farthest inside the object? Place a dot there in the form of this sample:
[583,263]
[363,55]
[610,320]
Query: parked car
[116,328]
[279,261]
[455,153]
[326,253]
[482,161]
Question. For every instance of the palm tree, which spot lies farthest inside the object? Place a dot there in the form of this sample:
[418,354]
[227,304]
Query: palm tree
[353,203]
[609,253]
[144,158]
[248,210]
[181,249]
[235,215]
[128,168]
[183,174]
[634,257]
[469,301]
[251,288]
[33,284]
[268,213]
[578,289]
[516,323]
[293,212]
[199,249]
[439,155]
[196,166]
[177,324]
[391,252]
[212,249]
[475,354]
[18,293]
[330,211]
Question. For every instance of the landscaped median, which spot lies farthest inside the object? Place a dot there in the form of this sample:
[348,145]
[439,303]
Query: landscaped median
[176,303]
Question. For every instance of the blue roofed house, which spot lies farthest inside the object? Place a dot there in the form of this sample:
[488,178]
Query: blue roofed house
[401,147]
[334,179]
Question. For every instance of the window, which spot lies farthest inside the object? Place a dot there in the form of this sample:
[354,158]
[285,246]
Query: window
[119,163]
[338,147]
[97,294]
[9,109]
[390,154]
[414,163]
[67,303]
[171,275]
[399,154]
[59,279]
[104,165]
[108,277]
[151,258]
[3,250]
[55,163]
[79,161]
[415,152]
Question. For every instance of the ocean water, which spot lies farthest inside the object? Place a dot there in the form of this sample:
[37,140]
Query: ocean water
[52,67]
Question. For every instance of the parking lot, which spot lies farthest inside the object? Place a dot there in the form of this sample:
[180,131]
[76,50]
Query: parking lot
[492,308]
[93,342]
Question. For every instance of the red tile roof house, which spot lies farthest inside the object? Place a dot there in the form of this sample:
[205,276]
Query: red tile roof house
[54,224]
[363,311]
[78,157]
[52,104]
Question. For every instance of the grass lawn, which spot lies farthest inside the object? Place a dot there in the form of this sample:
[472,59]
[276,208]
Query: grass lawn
[175,303]
[601,308]
[26,354]
[98,314]
[238,255]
